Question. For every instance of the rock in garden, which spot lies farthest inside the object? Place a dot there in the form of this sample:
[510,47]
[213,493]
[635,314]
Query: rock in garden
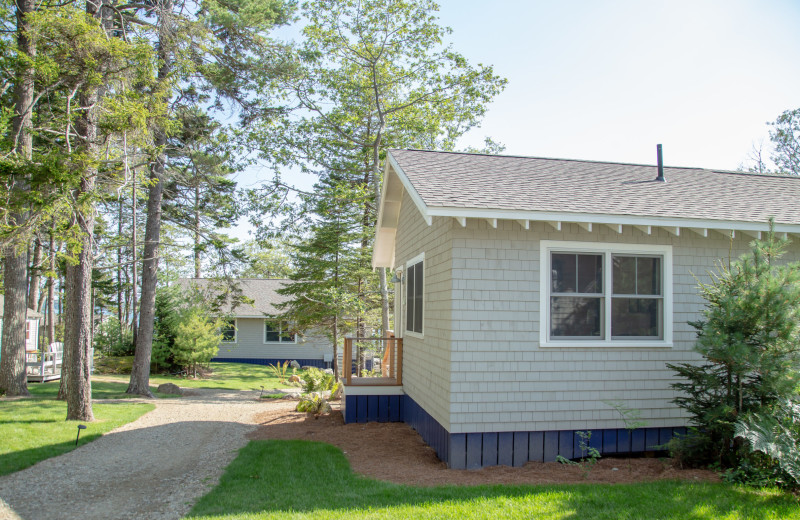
[328,371]
[294,364]
[294,379]
[170,388]
[338,393]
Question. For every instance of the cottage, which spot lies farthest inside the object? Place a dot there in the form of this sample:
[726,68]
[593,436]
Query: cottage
[532,291]
[251,333]
[31,329]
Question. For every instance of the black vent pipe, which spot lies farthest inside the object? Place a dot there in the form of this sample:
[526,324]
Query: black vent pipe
[660,177]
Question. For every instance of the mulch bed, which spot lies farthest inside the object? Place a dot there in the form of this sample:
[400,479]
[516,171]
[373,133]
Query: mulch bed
[396,453]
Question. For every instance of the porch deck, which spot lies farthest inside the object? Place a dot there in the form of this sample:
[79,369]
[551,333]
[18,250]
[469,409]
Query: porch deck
[377,362]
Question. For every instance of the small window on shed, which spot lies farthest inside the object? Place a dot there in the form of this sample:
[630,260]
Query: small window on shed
[414,293]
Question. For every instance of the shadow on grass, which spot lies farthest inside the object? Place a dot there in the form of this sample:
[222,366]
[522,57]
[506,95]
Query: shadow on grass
[277,478]
[17,460]
[100,390]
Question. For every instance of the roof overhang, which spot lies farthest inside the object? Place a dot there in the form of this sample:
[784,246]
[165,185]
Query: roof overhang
[396,183]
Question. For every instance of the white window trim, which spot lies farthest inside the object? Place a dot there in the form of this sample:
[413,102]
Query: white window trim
[417,259]
[280,341]
[606,249]
[235,333]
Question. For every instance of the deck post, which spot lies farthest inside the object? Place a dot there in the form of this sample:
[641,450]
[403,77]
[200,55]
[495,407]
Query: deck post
[347,360]
[399,363]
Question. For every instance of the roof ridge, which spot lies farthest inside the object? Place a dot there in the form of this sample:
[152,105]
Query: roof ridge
[710,170]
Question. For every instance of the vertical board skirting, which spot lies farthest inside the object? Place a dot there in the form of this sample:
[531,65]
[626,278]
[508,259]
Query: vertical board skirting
[271,361]
[373,408]
[484,449]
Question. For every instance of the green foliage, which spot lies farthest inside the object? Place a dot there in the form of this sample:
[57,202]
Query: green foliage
[785,135]
[315,380]
[112,339]
[749,339]
[185,335]
[197,338]
[777,435]
[313,403]
[631,417]
[589,454]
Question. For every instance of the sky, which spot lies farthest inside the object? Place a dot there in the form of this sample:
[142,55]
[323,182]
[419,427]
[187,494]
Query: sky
[607,80]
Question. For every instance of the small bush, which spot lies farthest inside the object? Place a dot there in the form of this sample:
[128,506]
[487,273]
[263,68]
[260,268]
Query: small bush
[317,381]
[112,339]
[313,403]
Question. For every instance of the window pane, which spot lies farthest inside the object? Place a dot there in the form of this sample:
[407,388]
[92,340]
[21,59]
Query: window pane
[648,275]
[228,330]
[419,278]
[272,331]
[639,317]
[624,274]
[286,334]
[590,273]
[410,299]
[563,272]
[574,316]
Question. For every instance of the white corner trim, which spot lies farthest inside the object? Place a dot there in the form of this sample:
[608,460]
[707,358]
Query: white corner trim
[546,246]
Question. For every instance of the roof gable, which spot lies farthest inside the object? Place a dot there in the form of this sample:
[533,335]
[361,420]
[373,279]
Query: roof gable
[263,292]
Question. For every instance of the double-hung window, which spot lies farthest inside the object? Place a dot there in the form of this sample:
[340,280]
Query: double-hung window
[228,330]
[605,294]
[415,280]
[278,332]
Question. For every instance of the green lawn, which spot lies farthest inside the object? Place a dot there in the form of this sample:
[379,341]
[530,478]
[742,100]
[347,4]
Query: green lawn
[34,429]
[301,479]
[229,376]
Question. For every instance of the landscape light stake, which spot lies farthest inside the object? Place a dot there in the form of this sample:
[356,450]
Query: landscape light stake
[80,427]
[262,393]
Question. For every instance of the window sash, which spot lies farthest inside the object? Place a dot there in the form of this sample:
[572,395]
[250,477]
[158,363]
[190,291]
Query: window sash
[228,331]
[277,332]
[414,297]
[647,305]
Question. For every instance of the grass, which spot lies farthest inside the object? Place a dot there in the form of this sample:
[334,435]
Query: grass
[35,429]
[227,376]
[309,480]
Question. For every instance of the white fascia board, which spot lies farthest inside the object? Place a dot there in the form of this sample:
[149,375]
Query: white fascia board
[606,218]
[423,209]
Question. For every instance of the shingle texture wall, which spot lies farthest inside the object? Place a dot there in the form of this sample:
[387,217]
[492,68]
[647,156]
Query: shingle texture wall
[501,380]
[426,361]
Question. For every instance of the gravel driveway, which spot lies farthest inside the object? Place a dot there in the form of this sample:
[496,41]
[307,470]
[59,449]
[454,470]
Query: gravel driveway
[152,468]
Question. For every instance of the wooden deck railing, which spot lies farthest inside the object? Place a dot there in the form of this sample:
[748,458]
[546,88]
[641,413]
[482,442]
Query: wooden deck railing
[381,358]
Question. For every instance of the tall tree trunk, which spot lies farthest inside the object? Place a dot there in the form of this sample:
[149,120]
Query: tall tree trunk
[78,294]
[140,372]
[197,266]
[134,274]
[119,269]
[35,272]
[13,379]
[51,290]
[382,284]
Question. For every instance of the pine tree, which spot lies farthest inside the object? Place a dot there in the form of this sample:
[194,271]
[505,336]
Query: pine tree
[748,338]
[329,265]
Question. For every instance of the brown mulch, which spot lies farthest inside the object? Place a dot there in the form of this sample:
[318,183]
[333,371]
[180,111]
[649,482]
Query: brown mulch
[396,453]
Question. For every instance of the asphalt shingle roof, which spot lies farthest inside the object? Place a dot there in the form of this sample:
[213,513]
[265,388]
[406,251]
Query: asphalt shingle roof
[461,180]
[261,291]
